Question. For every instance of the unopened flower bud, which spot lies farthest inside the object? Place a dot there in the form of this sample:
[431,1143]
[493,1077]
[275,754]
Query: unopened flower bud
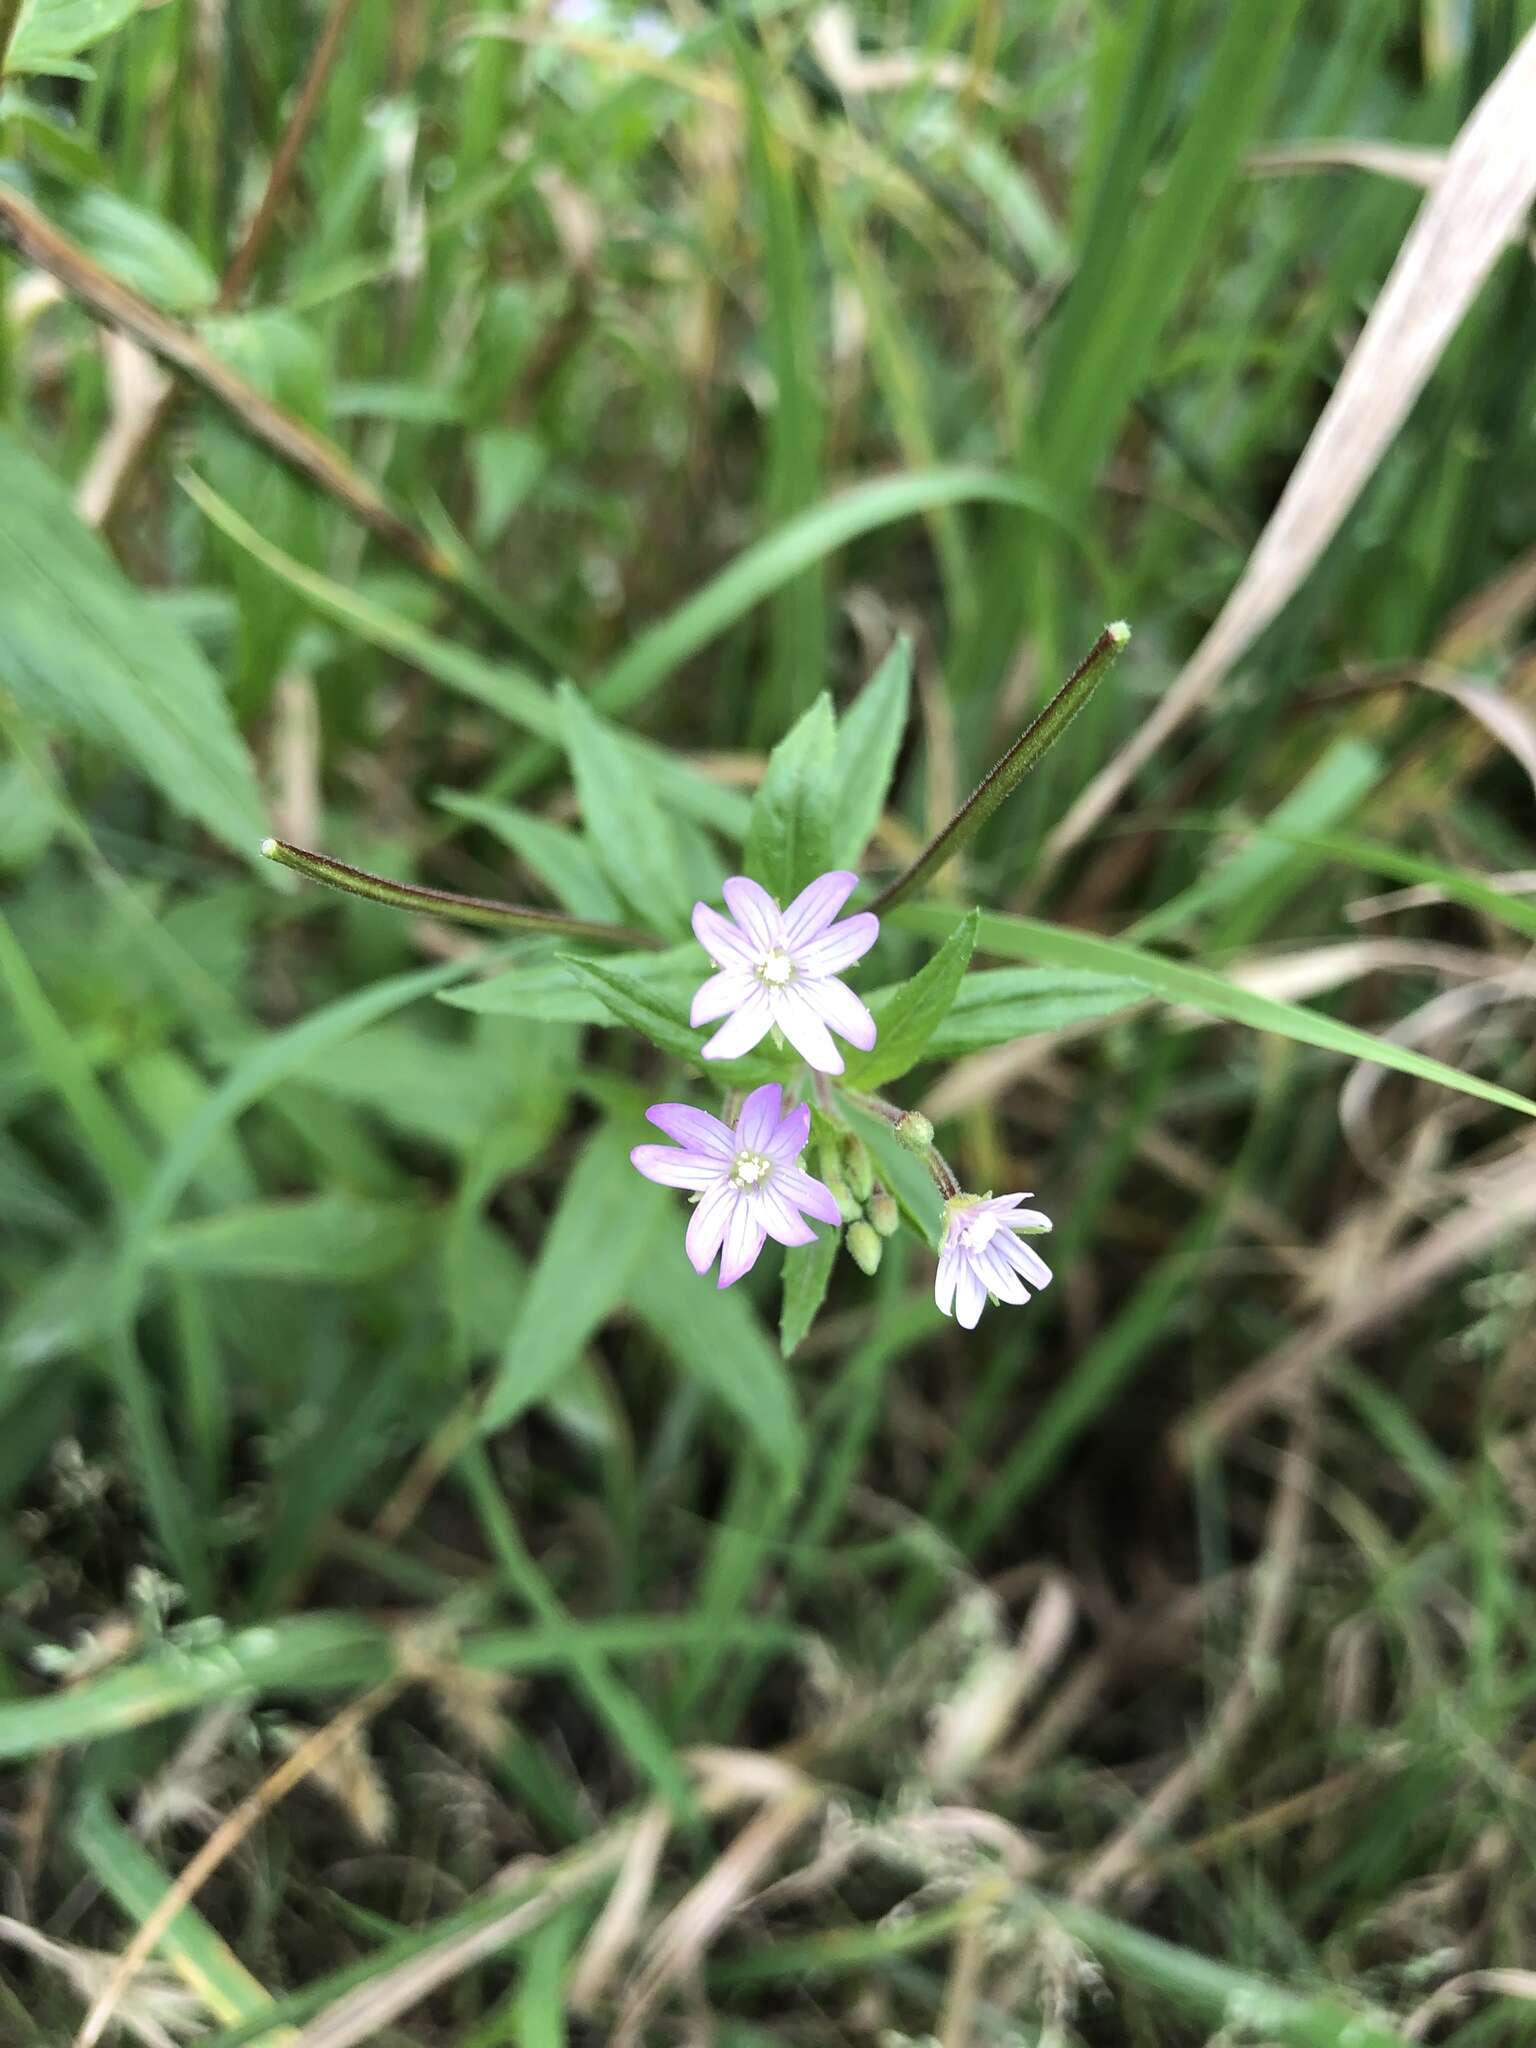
[842,1194]
[883,1213]
[858,1167]
[914,1131]
[864,1248]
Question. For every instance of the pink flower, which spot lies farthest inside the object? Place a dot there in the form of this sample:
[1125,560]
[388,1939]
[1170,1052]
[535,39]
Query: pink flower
[981,1256]
[780,967]
[748,1183]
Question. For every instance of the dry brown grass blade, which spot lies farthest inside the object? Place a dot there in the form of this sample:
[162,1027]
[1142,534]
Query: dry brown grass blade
[1420,895]
[968,1726]
[222,1843]
[727,1777]
[1502,1202]
[618,1925]
[160,2012]
[107,299]
[683,1938]
[1474,212]
[1420,167]
[136,431]
[1127,1853]
[1495,1983]
[1499,714]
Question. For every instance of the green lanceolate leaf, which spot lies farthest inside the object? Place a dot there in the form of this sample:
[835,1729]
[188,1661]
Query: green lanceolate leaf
[715,1337]
[608,1220]
[1001,1004]
[869,736]
[50,32]
[546,988]
[629,833]
[792,548]
[629,1001]
[1213,995]
[86,654]
[328,1239]
[908,1016]
[807,1273]
[789,837]
[663,1018]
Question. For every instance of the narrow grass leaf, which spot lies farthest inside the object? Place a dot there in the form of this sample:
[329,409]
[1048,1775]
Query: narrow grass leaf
[1329,791]
[606,1225]
[713,1335]
[127,1872]
[998,1005]
[260,1070]
[561,858]
[773,561]
[336,1238]
[549,988]
[807,1272]
[510,692]
[1026,938]
[869,737]
[87,654]
[794,422]
[1477,207]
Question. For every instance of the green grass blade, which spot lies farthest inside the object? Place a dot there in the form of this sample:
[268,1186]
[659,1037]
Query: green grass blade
[1197,988]
[775,560]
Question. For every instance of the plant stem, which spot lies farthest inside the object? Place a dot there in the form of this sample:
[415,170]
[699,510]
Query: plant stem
[479,910]
[1004,777]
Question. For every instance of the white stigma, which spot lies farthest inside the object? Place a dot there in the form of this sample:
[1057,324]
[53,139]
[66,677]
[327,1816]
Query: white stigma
[776,968]
[750,1169]
[978,1231]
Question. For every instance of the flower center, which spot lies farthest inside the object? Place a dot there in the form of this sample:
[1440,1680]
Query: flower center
[776,968]
[750,1169]
[971,1228]
[979,1232]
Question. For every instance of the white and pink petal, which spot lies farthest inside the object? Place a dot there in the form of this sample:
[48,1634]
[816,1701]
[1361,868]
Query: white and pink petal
[720,995]
[693,1128]
[742,1030]
[707,1225]
[840,1009]
[808,916]
[672,1167]
[807,1193]
[724,942]
[756,913]
[744,1239]
[838,947]
[759,1119]
[802,1025]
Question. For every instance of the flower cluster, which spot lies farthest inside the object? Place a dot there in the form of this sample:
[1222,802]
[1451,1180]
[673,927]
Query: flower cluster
[777,971]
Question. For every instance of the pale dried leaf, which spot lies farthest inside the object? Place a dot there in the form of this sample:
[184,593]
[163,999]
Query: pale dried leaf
[1474,212]
[618,1925]
[1500,1203]
[1388,159]
[1422,895]
[684,1937]
[347,1772]
[1508,721]
[969,1724]
[158,2011]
